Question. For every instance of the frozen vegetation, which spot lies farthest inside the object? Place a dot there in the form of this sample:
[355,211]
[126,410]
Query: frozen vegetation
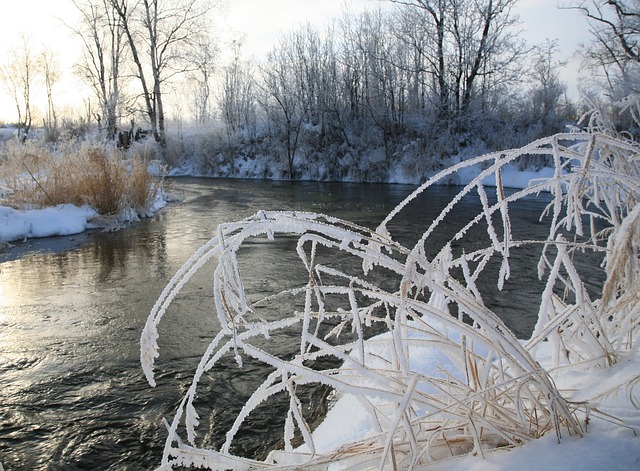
[400,335]
[47,192]
[422,372]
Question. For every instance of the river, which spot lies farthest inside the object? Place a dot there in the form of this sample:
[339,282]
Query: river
[72,393]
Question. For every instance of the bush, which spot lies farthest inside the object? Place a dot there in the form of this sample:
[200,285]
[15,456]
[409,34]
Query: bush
[35,177]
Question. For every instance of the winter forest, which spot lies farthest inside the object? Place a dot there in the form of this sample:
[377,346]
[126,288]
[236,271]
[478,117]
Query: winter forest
[389,93]
[389,345]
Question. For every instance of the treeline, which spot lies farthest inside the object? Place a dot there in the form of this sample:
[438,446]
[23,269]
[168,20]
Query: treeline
[414,87]
[407,88]
[417,82]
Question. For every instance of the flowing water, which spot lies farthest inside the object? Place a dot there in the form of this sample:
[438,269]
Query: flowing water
[72,393]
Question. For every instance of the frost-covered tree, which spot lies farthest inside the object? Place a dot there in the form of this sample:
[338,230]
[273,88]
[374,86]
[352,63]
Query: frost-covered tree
[547,89]
[102,34]
[385,73]
[281,101]
[18,76]
[203,59]
[314,71]
[160,34]
[424,28]
[614,54]
[470,48]
[237,100]
[320,76]
[51,75]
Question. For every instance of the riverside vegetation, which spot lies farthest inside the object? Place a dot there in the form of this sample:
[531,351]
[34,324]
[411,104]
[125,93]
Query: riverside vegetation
[486,389]
[114,184]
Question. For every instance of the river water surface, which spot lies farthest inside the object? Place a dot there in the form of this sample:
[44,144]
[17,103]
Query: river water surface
[72,393]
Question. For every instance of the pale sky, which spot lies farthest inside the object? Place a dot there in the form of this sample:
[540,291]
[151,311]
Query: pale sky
[259,20]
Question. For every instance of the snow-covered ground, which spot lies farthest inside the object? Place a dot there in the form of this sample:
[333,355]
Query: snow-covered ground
[61,220]
[64,219]
[611,441]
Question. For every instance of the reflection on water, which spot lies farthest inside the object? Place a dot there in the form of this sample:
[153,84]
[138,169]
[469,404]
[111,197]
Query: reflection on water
[72,394]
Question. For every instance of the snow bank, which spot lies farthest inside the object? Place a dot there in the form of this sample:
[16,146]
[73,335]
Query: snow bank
[511,176]
[355,171]
[61,220]
[348,420]
[606,446]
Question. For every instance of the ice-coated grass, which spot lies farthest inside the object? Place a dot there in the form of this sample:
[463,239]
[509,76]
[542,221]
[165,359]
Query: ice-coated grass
[481,388]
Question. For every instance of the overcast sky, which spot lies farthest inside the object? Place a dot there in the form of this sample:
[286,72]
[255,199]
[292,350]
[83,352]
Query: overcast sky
[260,21]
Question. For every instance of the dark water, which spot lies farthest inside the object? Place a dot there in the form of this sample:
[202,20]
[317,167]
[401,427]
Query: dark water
[72,393]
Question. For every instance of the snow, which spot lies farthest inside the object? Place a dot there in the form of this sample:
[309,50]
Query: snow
[61,220]
[511,176]
[605,446]
[348,420]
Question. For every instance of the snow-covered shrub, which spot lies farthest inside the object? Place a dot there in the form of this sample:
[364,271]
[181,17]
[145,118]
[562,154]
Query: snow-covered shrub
[405,330]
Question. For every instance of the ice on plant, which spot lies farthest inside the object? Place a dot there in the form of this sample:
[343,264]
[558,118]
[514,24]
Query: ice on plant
[425,372]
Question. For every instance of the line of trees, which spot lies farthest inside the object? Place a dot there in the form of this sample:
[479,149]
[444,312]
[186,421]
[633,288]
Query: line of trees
[446,71]
[421,68]
[436,74]
[24,68]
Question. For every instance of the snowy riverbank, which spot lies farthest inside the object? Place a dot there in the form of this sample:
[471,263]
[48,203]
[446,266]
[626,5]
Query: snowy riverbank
[67,219]
[61,220]
[610,442]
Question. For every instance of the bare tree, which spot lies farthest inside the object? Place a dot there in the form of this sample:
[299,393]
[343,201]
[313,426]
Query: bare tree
[159,33]
[18,77]
[473,46]
[203,59]
[615,26]
[102,35]
[375,75]
[433,16]
[237,102]
[50,70]
[547,88]
[280,100]
[385,70]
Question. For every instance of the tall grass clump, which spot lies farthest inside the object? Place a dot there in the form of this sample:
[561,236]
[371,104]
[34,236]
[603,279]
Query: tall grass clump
[35,176]
[406,331]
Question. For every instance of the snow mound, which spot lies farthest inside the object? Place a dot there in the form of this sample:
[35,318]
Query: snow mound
[61,220]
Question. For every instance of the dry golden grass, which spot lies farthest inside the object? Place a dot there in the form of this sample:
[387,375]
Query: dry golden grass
[104,179]
[19,170]
[142,187]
